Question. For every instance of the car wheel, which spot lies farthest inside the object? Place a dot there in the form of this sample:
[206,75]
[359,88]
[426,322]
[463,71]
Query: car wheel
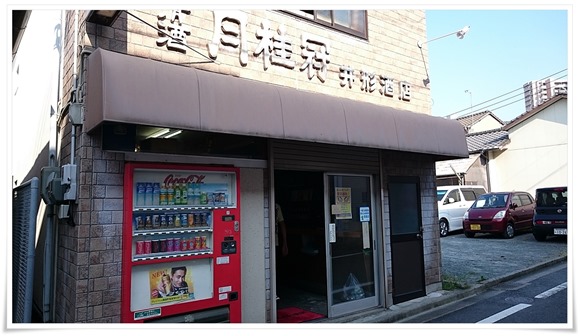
[469,234]
[443,227]
[539,237]
[509,231]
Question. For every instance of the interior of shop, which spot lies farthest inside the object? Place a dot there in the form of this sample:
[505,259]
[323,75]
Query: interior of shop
[301,273]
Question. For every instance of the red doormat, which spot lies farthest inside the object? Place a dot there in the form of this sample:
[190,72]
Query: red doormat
[296,315]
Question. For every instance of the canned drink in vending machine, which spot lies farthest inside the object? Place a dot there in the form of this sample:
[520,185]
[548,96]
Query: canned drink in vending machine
[176,244]
[191,244]
[148,223]
[197,243]
[147,245]
[184,220]
[170,245]
[184,244]
[162,245]
[139,224]
[163,221]
[140,248]
[203,243]
[155,246]
[156,222]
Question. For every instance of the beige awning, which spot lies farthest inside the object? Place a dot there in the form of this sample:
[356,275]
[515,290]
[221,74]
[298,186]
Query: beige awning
[129,89]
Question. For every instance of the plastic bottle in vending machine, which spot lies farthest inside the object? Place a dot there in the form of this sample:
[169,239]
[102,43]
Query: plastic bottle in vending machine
[149,194]
[190,193]
[163,195]
[140,194]
[177,194]
[170,194]
[184,194]
[156,193]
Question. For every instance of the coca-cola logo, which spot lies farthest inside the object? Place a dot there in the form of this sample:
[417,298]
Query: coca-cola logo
[193,178]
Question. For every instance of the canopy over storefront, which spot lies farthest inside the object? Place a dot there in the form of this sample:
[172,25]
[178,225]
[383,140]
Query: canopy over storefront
[129,89]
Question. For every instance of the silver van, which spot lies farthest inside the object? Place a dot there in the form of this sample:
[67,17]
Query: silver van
[452,202]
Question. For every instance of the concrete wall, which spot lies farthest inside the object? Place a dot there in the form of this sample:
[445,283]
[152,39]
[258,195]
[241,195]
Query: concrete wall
[253,225]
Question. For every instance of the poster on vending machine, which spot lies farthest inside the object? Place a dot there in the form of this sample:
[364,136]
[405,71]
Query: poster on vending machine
[171,285]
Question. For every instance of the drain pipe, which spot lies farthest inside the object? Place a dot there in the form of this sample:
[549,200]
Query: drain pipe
[49,255]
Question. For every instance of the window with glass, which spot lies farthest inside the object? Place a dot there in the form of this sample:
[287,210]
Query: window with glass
[353,22]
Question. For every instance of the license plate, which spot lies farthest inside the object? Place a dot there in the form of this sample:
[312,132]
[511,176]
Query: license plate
[475,227]
[561,231]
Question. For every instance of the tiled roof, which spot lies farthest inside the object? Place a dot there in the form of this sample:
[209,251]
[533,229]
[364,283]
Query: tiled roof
[472,119]
[492,139]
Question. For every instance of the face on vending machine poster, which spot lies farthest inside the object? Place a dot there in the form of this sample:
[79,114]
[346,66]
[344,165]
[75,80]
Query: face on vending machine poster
[171,285]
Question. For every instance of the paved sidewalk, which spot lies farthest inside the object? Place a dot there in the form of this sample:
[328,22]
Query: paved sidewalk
[478,263]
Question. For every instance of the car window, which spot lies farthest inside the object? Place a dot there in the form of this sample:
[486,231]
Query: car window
[525,199]
[453,194]
[469,194]
[441,193]
[479,191]
[491,201]
[516,200]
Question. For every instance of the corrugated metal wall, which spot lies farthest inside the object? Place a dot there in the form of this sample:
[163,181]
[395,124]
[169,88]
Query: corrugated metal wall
[296,155]
[24,210]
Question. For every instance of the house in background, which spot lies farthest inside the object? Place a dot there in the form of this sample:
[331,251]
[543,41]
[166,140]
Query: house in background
[537,155]
[480,122]
[528,152]
[483,133]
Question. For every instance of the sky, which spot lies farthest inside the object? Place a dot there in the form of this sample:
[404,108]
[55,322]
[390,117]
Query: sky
[503,50]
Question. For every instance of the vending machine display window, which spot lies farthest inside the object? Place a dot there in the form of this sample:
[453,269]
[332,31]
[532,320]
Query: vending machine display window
[177,219]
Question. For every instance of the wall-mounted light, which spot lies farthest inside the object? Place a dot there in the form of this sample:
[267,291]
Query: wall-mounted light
[460,35]
[103,17]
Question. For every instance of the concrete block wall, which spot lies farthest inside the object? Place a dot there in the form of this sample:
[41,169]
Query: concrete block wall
[89,251]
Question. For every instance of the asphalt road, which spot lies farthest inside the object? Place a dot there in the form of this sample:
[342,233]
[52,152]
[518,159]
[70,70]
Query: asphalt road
[471,261]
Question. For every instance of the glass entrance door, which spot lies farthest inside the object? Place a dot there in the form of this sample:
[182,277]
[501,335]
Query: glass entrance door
[350,243]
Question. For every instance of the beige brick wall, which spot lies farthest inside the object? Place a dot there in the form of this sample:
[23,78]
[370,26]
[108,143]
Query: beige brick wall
[391,50]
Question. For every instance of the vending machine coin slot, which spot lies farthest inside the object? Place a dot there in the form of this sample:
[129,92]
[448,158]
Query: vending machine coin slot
[229,245]
[228,218]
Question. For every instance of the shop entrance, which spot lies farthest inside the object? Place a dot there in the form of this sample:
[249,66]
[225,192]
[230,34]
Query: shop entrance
[301,274]
[331,265]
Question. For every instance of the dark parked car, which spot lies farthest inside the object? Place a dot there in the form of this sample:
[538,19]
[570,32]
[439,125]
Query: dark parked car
[551,213]
[499,213]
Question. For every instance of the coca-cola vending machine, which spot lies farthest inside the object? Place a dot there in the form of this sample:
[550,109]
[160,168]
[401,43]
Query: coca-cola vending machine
[181,244]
